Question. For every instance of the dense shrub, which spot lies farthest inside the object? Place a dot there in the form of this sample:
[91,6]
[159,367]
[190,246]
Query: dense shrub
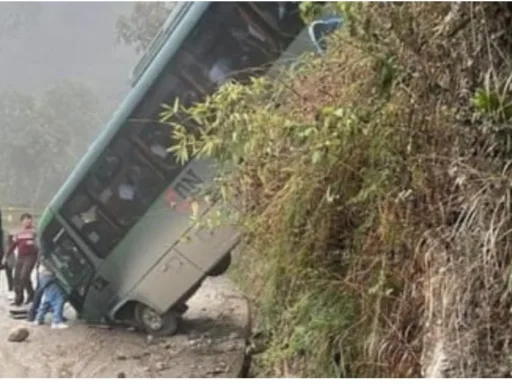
[374,192]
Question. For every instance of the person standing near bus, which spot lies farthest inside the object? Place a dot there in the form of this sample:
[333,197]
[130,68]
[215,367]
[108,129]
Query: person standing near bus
[52,300]
[10,260]
[7,265]
[25,243]
[2,266]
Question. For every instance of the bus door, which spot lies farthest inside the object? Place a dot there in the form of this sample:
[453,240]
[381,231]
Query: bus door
[73,267]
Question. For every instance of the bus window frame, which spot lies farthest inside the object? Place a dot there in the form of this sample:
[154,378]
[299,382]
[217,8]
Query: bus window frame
[64,212]
[126,162]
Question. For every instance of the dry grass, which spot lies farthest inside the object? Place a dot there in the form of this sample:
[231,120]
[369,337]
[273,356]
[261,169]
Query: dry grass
[378,196]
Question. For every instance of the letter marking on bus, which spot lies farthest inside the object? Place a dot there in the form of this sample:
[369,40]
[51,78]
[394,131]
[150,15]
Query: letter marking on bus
[185,188]
[188,185]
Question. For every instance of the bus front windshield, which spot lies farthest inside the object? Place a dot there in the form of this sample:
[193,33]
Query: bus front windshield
[68,262]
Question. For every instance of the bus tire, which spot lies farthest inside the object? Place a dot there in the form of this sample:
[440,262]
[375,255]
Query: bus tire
[155,324]
[221,267]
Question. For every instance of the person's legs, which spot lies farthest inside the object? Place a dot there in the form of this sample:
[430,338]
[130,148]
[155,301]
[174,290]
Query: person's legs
[38,296]
[58,308]
[27,277]
[43,310]
[10,282]
[18,283]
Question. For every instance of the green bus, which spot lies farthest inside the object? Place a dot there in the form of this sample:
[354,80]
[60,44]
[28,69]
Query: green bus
[112,232]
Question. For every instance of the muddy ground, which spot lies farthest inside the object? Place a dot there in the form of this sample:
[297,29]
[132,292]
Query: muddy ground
[210,344]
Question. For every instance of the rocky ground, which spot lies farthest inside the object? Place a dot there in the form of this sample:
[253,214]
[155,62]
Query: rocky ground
[211,343]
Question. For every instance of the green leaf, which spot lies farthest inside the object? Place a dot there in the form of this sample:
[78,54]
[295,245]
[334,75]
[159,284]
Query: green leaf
[176,106]
[317,157]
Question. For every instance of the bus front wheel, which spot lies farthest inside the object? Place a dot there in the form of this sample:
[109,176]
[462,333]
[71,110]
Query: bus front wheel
[155,324]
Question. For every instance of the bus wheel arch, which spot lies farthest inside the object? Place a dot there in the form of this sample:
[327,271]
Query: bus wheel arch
[126,312]
[222,266]
[154,323]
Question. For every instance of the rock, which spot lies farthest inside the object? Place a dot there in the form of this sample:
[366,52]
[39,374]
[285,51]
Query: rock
[121,357]
[139,356]
[149,339]
[100,326]
[65,373]
[18,335]
[161,366]
[218,370]
[121,375]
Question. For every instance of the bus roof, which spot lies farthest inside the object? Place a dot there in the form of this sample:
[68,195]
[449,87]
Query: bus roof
[158,41]
[175,30]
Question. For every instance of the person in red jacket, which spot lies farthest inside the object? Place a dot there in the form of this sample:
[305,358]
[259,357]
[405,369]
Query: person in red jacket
[25,242]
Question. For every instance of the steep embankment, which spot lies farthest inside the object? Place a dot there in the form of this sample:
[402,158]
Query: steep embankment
[376,189]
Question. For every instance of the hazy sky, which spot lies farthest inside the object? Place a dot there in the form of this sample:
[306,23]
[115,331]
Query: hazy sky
[44,42]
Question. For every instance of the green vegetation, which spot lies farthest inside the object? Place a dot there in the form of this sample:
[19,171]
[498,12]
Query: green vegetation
[140,27]
[374,191]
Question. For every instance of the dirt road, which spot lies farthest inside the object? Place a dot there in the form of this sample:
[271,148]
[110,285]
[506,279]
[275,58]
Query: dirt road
[211,343]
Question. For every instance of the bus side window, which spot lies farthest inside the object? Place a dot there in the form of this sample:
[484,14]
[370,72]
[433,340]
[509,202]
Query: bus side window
[281,16]
[233,41]
[153,137]
[88,220]
[108,168]
[140,186]
[107,172]
[123,197]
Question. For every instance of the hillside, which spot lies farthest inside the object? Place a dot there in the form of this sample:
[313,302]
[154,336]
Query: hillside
[376,196]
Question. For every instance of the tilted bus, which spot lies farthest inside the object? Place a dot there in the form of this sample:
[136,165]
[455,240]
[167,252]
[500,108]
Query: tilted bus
[112,232]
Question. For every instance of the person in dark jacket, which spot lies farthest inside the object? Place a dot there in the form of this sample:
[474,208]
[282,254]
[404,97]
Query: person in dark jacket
[1,240]
[1,237]
[7,265]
